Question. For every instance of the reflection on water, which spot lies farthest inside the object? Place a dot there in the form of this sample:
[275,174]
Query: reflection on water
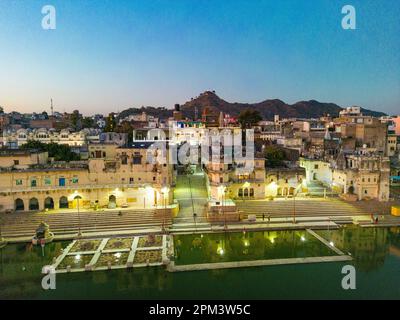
[239,246]
[21,265]
[376,253]
[368,246]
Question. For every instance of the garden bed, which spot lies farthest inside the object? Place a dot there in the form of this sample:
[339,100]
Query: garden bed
[151,256]
[75,261]
[85,245]
[150,241]
[116,259]
[118,243]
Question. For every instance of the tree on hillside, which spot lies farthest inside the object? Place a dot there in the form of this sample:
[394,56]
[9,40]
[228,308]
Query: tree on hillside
[248,118]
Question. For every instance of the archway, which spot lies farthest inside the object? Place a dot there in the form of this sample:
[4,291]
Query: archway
[112,202]
[33,204]
[19,205]
[63,203]
[48,203]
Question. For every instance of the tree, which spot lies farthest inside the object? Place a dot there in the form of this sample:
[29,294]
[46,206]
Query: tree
[76,120]
[274,156]
[125,127]
[248,118]
[110,123]
[88,122]
[60,152]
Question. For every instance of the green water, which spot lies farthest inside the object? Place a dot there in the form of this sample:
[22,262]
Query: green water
[242,246]
[376,255]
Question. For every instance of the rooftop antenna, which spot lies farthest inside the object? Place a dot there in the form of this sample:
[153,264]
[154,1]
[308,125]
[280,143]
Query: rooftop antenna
[51,107]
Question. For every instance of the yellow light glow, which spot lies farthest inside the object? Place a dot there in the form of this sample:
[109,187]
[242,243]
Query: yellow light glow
[164,190]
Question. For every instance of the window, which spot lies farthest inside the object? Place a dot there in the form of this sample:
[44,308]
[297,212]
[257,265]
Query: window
[47,181]
[61,182]
[246,192]
[154,178]
[251,192]
[18,182]
[16,162]
[33,183]
[366,191]
[75,180]
[221,179]
[315,166]
[131,180]
[240,192]
[137,160]
[124,158]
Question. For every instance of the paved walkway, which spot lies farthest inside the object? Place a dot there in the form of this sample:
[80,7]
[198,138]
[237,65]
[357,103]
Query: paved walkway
[254,263]
[191,193]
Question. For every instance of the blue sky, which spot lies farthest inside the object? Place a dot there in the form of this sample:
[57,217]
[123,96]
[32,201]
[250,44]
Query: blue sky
[109,55]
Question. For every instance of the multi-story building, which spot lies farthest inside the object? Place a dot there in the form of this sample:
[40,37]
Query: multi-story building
[242,179]
[366,176]
[29,182]
[15,139]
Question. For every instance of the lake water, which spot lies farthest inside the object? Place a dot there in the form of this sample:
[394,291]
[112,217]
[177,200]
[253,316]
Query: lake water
[376,253]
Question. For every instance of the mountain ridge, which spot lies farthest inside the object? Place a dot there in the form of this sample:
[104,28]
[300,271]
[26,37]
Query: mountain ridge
[267,108]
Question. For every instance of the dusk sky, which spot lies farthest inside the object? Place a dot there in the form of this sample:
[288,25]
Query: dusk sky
[110,55]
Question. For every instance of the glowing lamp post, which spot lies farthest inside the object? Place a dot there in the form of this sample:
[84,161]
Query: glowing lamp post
[164,191]
[77,198]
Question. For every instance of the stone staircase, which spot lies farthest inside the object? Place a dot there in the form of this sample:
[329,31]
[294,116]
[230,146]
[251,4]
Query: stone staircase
[16,225]
[309,207]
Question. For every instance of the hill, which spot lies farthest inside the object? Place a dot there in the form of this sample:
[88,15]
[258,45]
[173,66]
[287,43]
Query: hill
[267,108]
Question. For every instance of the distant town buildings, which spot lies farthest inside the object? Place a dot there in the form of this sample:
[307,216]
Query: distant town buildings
[353,156]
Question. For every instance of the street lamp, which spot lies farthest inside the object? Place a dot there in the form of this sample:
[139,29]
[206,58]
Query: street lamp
[294,202]
[77,198]
[164,191]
